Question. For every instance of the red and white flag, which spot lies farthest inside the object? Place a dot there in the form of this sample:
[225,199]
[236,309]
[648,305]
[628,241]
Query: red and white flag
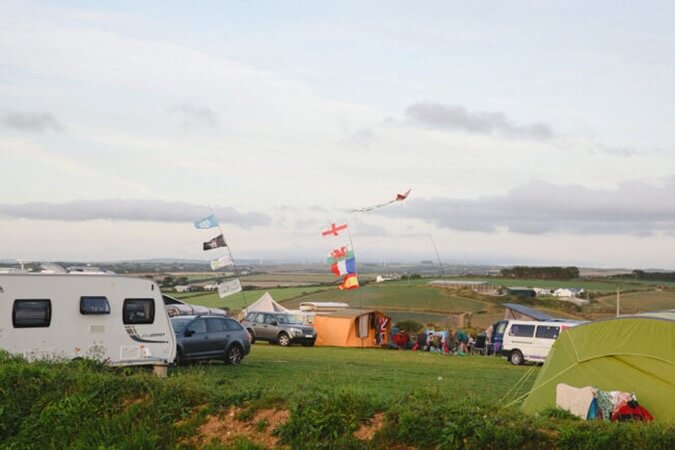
[334,230]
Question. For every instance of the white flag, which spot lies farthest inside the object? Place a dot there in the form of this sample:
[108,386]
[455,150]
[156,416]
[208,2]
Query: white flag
[229,287]
[223,261]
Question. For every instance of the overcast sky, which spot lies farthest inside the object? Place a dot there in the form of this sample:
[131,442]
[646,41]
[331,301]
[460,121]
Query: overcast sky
[530,132]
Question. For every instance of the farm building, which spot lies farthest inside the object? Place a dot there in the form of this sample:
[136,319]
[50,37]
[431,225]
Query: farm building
[568,292]
[482,287]
[520,292]
[352,328]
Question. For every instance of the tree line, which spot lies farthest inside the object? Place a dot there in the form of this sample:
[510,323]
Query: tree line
[649,276]
[541,273]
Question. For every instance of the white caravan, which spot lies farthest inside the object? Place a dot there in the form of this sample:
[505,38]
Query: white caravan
[529,340]
[120,321]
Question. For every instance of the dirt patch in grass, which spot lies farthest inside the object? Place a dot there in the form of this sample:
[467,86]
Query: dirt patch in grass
[226,428]
[368,429]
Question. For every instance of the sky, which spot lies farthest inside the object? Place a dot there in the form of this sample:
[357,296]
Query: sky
[530,132]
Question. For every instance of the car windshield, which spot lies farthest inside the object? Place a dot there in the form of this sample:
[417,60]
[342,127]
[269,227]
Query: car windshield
[288,319]
[179,324]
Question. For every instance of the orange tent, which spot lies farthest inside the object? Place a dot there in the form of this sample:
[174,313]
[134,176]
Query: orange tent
[352,328]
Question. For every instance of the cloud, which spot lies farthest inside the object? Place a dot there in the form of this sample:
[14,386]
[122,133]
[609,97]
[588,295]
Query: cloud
[363,137]
[32,122]
[131,210]
[633,208]
[455,117]
[195,115]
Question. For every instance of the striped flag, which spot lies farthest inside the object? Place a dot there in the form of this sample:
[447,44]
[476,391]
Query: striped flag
[344,267]
[349,282]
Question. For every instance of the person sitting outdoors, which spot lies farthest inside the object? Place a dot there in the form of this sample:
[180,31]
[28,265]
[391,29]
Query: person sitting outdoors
[401,339]
[463,342]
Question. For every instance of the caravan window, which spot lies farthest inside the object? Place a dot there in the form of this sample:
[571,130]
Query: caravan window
[522,330]
[32,313]
[139,310]
[94,305]
[548,332]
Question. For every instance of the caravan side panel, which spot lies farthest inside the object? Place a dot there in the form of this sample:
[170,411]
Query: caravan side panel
[118,320]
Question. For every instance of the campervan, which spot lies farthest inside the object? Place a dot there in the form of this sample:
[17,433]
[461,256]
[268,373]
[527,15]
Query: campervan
[528,340]
[117,320]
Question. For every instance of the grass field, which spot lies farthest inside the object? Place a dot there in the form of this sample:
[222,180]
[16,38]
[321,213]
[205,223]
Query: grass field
[396,297]
[377,373]
[642,301]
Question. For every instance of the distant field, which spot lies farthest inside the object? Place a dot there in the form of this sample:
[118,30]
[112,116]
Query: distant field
[587,284]
[642,301]
[397,297]
[239,301]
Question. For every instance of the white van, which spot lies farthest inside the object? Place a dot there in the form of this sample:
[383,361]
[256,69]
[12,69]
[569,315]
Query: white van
[527,340]
[118,320]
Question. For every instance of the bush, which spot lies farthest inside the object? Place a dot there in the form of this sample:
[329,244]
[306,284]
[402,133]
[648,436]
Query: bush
[326,419]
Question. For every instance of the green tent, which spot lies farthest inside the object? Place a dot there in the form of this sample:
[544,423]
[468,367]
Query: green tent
[629,353]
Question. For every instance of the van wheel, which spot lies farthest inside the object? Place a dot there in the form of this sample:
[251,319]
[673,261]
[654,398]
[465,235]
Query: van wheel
[516,358]
[251,335]
[284,340]
[234,355]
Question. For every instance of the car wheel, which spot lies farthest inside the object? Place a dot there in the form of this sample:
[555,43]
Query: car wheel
[234,354]
[251,335]
[516,358]
[284,340]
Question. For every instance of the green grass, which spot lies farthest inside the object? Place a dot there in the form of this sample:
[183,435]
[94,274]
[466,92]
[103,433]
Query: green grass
[377,373]
[424,401]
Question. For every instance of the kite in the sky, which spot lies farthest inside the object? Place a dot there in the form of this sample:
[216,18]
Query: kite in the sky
[399,198]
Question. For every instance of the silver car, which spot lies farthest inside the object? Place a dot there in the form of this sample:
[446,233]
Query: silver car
[281,328]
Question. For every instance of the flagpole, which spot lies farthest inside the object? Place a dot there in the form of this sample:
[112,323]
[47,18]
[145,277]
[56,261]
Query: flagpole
[351,244]
[234,265]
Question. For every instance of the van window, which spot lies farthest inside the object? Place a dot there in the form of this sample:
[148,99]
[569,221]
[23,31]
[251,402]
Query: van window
[32,313]
[139,310]
[94,305]
[522,330]
[548,332]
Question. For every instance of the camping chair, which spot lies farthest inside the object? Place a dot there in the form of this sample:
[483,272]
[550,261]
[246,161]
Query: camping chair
[480,346]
